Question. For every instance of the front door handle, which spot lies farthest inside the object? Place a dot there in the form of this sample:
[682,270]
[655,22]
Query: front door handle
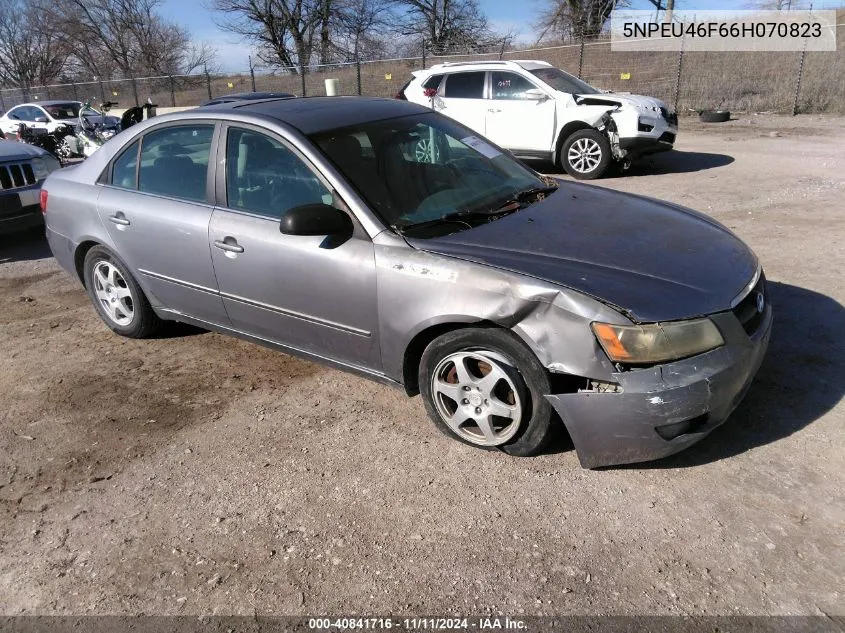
[493,110]
[229,244]
[119,218]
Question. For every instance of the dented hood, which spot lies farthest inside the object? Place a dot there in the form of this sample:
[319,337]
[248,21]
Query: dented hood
[640,102]
[652,260]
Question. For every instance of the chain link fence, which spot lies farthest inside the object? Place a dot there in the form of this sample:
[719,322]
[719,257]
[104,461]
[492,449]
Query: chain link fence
[781,82]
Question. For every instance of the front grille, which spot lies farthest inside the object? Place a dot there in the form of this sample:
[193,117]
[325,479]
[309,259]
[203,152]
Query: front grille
[671,117]
[746,311]
[15,175]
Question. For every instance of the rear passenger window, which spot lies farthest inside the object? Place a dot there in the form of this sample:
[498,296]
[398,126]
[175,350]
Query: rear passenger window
[509,85]
[124,170]
[174,161]
[465,86]
[265,177]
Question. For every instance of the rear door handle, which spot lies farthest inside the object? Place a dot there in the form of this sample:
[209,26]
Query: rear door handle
[229,244]
[119,218]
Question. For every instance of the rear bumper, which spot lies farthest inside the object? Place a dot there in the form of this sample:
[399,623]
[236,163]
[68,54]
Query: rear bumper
[664,409]
[63,250]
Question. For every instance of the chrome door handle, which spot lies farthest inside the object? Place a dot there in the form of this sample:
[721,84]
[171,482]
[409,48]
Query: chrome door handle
[119,218]
[493,110]
[232,247]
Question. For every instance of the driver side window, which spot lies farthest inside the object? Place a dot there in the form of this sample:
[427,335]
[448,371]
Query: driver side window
[265,177]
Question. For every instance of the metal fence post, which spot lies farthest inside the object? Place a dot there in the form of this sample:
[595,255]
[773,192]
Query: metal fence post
[798,78]
[102,92]
[2,102]
[208,82]
[302,77]
[75,93]
[678,75]
[135,91]
[581,57]
[423,54]
[252,73]
[172,91]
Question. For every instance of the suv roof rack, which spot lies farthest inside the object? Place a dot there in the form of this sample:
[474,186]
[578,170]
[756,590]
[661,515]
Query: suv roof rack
[511,63]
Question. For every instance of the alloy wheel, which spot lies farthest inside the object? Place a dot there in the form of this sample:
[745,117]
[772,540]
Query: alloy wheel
[113,293]
[476,397]
[584,155]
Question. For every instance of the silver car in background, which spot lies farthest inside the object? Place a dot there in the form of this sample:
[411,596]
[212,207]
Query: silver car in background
[386,239]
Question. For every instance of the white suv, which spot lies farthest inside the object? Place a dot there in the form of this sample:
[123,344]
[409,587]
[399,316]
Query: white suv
[538,111]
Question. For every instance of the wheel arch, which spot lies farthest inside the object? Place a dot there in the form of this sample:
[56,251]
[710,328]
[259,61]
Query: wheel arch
[420,340]
[416,346]
[566,131]
[79,256]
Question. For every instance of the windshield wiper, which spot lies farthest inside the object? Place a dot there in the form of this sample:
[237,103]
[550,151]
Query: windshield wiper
[459,217]
[464,216]
[519,199]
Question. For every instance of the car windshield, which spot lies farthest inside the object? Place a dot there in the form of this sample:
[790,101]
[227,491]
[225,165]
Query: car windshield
[423,170]
[63,111]
[564,82]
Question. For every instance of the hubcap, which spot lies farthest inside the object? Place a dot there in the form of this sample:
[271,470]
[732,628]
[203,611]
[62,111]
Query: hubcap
[584,155]
[113,293]
[476,397]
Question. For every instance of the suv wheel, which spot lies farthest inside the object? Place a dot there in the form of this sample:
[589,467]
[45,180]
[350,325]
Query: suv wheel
[585,155]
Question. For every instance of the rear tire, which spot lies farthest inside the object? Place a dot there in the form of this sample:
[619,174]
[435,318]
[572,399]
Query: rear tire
[116,295]
[586,154]
[485,387]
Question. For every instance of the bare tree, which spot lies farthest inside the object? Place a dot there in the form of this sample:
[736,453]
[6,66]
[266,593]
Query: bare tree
[575,19]
[125,38]
[31,50]
[446,25]
[359,23]
[287,32]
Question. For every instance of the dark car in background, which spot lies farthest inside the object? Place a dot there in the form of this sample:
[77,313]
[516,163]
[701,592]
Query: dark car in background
[248,96]
[23,169]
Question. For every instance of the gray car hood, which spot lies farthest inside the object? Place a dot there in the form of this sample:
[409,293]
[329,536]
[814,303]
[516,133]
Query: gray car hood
[652,260]
[12,150]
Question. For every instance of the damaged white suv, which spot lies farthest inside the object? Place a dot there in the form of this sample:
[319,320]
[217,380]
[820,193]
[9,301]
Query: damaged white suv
[538,111]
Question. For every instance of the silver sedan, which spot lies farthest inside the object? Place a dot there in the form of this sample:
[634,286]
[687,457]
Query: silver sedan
[385,239]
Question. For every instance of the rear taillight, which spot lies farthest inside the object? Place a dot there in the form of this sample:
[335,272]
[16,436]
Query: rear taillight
[43,201]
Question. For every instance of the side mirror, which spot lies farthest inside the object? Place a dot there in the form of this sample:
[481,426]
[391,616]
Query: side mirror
[41,119]
[316,219]
[535,94]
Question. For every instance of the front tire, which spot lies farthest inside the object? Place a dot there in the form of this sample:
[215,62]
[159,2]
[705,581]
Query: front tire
[116,295]
[586,155]
[485,387]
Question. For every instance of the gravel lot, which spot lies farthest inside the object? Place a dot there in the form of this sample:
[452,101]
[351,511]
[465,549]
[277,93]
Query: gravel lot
[196,473]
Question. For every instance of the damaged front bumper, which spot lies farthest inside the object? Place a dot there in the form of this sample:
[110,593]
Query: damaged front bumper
[663,409]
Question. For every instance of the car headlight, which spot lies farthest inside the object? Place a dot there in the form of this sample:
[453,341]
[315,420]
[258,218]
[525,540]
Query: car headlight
[657,342]
[43,166]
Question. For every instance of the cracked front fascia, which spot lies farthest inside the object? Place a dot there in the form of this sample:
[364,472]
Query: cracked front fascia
[418,290]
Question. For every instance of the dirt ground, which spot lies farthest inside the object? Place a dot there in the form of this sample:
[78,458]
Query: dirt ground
[198,474]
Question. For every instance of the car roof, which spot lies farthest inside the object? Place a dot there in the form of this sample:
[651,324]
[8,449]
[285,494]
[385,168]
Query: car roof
[311,115]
